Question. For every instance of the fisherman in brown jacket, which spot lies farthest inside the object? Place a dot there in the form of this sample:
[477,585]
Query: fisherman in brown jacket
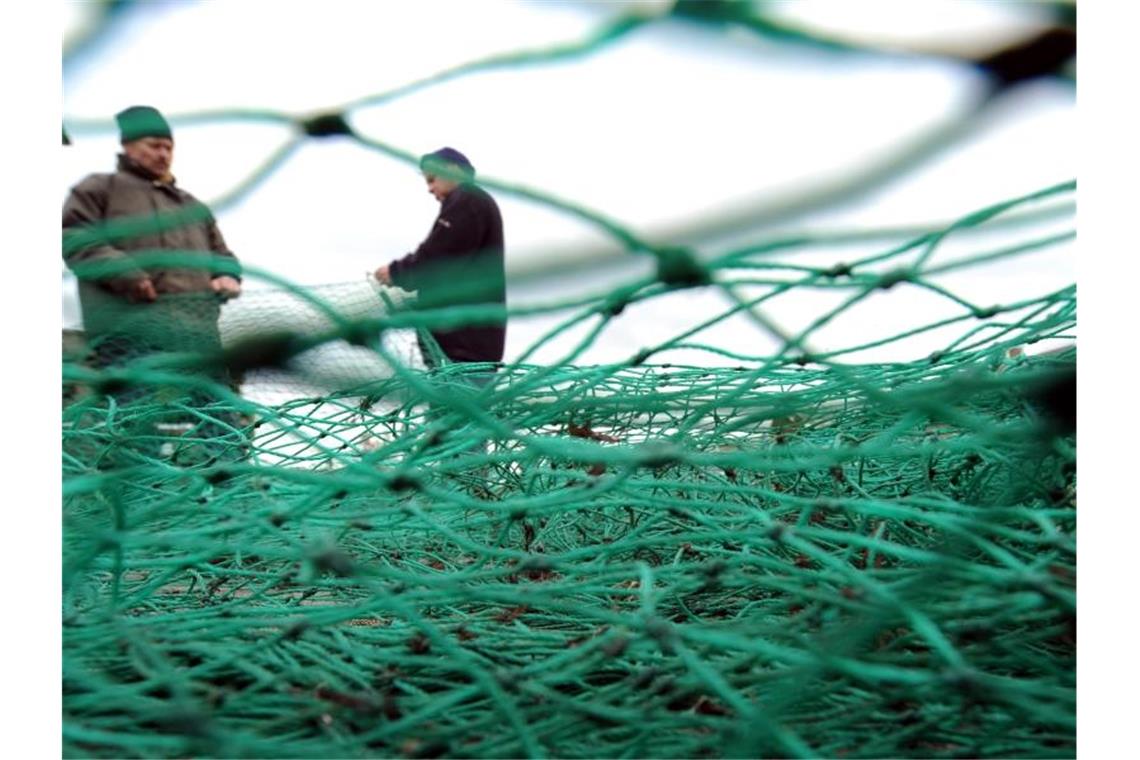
[113,223]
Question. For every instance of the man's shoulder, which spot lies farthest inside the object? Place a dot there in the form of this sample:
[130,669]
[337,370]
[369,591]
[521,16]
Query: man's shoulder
[97,181]
[105,181]
[475,197]
[185,194]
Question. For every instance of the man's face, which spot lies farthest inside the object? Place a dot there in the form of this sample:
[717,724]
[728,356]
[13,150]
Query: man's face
[154,154]
[440,187]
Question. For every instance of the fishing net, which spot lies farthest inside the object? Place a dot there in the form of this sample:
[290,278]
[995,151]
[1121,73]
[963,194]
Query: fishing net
[303,543]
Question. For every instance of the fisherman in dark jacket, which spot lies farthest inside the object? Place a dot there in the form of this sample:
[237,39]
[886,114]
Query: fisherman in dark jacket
[460,262]
[139,306]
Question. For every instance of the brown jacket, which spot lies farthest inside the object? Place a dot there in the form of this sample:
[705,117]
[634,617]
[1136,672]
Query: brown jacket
[151,217]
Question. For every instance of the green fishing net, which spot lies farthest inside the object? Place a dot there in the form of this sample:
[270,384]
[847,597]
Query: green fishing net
[303,543]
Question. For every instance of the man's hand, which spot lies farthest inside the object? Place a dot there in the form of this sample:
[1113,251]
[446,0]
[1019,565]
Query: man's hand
[383,275]
[141,290]
[226,286]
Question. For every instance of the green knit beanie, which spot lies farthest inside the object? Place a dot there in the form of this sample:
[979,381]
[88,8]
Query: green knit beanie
[137,122]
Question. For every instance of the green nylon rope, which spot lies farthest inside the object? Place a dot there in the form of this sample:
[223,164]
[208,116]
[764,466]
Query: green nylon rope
[591,561]
[800,555]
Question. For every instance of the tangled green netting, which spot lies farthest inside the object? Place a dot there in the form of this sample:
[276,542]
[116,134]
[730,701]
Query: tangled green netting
[799,556]
[793,557]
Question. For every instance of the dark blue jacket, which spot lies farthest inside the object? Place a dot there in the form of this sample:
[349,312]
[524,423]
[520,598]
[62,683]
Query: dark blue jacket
[460,263]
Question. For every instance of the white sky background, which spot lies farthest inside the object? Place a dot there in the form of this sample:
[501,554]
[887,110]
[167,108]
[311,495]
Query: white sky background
[670,125]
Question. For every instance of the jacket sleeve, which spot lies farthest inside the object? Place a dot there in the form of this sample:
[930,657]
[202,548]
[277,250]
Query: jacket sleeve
[83,210]
[231,266]
[455,232]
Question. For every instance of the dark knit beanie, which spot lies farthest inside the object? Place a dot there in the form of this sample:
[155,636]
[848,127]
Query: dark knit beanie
[137,122]
[441,160]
